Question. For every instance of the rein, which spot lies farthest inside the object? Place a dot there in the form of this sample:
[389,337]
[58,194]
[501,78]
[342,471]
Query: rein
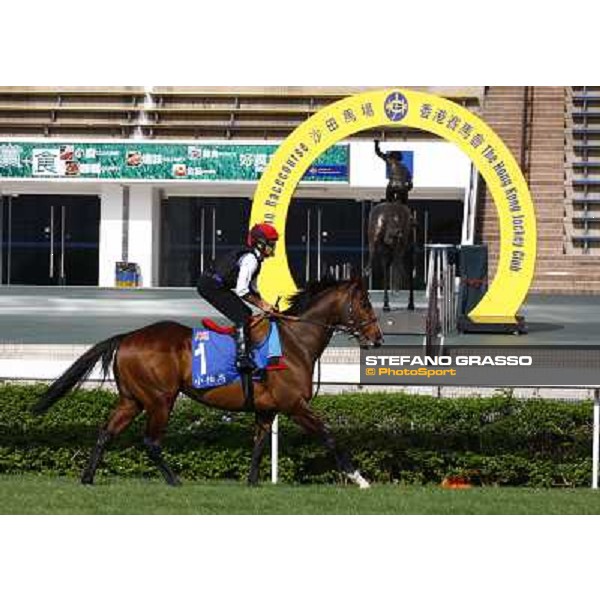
[352,328]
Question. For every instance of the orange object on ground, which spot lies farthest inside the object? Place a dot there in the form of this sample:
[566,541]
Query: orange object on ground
[456,483]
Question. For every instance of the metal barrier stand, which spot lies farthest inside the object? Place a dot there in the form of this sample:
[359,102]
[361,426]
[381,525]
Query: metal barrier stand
[441,272]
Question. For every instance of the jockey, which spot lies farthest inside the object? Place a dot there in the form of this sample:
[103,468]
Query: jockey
[232,281]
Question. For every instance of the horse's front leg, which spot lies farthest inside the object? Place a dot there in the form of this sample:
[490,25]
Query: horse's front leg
[262,429]
[386,284]
[311,424]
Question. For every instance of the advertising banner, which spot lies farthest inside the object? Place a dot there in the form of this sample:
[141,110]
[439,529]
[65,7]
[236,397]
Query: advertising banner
[150,162]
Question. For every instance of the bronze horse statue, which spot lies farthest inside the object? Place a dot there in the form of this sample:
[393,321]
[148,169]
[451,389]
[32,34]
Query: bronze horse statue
[153,366]
[391,229]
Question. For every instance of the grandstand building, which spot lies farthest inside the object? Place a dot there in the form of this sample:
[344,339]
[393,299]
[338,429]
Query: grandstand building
[163,177]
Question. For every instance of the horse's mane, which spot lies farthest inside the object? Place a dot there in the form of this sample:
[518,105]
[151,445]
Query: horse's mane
[302,300]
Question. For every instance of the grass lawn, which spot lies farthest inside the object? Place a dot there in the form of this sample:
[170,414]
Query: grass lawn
[51,495]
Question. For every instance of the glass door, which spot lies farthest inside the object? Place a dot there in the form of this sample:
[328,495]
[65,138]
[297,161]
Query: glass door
[49,240]
[326,240]
[341,250]
[197,231]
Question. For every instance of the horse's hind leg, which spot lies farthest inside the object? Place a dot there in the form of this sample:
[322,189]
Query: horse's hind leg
[157,424]
[126,411]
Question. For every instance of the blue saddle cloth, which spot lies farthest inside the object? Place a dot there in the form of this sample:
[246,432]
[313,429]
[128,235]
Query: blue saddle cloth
[213,357]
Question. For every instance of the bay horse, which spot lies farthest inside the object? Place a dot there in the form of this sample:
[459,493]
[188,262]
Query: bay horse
[391,246]
[153,366]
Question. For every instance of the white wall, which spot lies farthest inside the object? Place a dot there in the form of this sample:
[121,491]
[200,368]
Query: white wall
[143,232]
[437,164]
[111,232]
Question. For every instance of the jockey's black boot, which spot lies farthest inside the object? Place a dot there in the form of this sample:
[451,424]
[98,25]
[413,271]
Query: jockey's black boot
[243,359]
[245,365]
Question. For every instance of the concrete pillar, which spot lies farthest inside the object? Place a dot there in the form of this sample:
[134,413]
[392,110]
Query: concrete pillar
[111,233]
[144,206]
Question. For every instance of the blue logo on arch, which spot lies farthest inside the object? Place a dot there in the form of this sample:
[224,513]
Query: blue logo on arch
[396,107]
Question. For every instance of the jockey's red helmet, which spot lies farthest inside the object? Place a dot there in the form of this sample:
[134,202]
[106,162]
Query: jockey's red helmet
[263,233]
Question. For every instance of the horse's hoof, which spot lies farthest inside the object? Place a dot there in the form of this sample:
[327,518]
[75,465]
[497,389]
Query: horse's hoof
[411,308]
[359,480]
[387,309]
[87,480]
[174,483]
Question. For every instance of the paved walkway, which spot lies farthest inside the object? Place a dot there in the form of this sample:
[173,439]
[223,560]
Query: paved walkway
[36,315]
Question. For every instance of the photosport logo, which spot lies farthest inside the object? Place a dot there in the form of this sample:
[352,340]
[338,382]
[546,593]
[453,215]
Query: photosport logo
[483,366]
[396,107]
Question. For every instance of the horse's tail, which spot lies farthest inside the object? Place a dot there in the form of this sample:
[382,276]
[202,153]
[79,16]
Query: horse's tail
[78,372]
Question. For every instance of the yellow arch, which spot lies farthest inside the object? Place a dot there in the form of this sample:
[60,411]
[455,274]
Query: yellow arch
[406,108]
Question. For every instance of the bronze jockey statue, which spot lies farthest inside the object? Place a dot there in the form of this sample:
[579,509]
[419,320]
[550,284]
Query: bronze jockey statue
[400,179]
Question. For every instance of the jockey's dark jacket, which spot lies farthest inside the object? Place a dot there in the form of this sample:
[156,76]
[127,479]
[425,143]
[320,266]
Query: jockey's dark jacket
[226,270]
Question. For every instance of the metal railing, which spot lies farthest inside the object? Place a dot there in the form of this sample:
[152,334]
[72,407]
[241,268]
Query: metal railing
[441,275]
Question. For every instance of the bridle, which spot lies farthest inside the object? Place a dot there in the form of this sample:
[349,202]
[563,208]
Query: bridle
[352,327]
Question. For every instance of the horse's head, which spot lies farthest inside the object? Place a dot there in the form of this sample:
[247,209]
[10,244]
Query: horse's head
[358,316]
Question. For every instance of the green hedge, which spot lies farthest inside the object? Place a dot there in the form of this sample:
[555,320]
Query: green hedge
[392,438]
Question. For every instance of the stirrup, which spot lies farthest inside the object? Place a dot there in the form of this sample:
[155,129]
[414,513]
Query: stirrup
[276,363]
[243,359]
[244,363]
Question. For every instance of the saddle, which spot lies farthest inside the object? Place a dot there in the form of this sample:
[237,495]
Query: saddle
[223,330]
